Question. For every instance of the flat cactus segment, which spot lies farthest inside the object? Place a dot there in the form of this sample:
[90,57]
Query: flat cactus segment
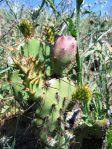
[53,100]
[36,49]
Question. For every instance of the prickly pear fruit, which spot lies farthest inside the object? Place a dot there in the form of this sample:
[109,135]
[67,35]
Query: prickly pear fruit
[65,49]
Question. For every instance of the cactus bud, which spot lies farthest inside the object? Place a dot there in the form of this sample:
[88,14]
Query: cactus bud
[65,49]
[26,28]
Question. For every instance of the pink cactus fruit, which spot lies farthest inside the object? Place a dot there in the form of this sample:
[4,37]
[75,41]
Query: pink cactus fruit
[65,49]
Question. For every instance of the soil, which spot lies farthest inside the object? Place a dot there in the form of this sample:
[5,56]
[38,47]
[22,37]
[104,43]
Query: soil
[92,143]
[90,137]
[22,130]
[25,134]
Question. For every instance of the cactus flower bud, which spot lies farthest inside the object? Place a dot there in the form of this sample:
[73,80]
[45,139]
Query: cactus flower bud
[26,27]
[65,49]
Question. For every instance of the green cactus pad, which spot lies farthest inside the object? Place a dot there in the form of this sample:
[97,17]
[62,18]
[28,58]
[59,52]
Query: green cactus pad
[36,49]
[56,98]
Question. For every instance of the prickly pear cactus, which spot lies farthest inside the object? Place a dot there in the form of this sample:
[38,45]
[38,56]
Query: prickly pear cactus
[32,83]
